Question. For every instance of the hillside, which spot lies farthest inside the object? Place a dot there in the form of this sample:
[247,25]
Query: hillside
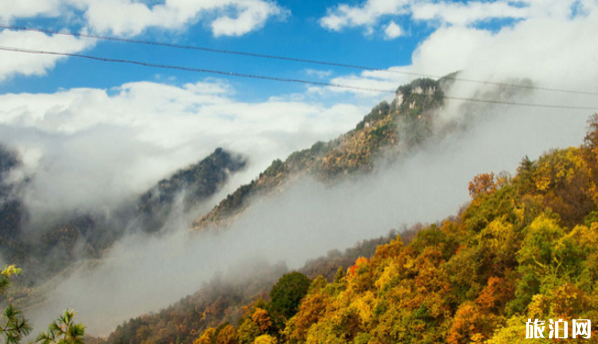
[389,129]
[525,247]
[223,299]
[10,208]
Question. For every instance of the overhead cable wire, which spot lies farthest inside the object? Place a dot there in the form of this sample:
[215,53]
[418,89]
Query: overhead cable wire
[292,59]
[192,69]
[272,78]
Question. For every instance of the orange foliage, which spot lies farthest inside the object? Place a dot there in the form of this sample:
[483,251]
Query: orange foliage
[262,319]
[482,184]
[207,337]
[466,325]
[312,309]
[495,295]
[360,261]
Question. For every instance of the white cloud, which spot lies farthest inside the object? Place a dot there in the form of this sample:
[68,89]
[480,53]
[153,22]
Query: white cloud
[458,13]
[369,84]
[365,15]
[320,74]
[552,50]
[393,30]
[32,64]
[10,10]
[369,14]
[96,148]
[128,17]
[253,16]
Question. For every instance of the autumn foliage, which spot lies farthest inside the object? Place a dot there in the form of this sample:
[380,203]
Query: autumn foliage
[526,247]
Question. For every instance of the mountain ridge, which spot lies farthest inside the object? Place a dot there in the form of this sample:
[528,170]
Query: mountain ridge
[401,126]
[88,235]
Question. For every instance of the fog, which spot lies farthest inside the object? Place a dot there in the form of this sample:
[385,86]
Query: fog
[92,149]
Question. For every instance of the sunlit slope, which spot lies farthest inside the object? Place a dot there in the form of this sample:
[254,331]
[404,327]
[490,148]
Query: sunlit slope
[389,129]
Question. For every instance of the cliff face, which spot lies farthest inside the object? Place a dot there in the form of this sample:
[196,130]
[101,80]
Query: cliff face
[389,129]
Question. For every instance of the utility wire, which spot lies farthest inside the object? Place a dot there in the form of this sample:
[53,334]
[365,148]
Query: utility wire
[272,78]
[292,59]
[191,69]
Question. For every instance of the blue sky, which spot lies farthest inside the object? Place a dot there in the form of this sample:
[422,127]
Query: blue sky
[298,33]
[113,130]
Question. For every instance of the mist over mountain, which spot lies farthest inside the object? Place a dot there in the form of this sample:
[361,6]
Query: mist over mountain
[387,133]
[478,265]
[523,248]
[49,247]
[193,185]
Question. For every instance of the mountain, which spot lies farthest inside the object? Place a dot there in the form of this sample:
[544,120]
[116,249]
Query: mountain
[79,235]
[195,184]
[10,208]
[389,129]
[526,247]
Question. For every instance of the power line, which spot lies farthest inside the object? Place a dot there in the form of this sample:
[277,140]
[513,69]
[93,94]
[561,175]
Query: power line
[292,59]
[272,78]
[191,69]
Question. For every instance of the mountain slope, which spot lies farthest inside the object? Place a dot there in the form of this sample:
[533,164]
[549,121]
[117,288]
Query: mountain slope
[198,182]
[223,300]
[389,129]
[525,248]
[10,208]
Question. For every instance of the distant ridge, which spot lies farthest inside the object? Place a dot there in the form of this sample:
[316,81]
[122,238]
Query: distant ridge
[87,235]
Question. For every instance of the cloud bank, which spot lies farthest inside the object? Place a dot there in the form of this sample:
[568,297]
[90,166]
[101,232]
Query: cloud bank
[90,149]
[552,49]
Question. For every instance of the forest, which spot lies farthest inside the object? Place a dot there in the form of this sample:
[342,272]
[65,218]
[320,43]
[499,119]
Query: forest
[524,248]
